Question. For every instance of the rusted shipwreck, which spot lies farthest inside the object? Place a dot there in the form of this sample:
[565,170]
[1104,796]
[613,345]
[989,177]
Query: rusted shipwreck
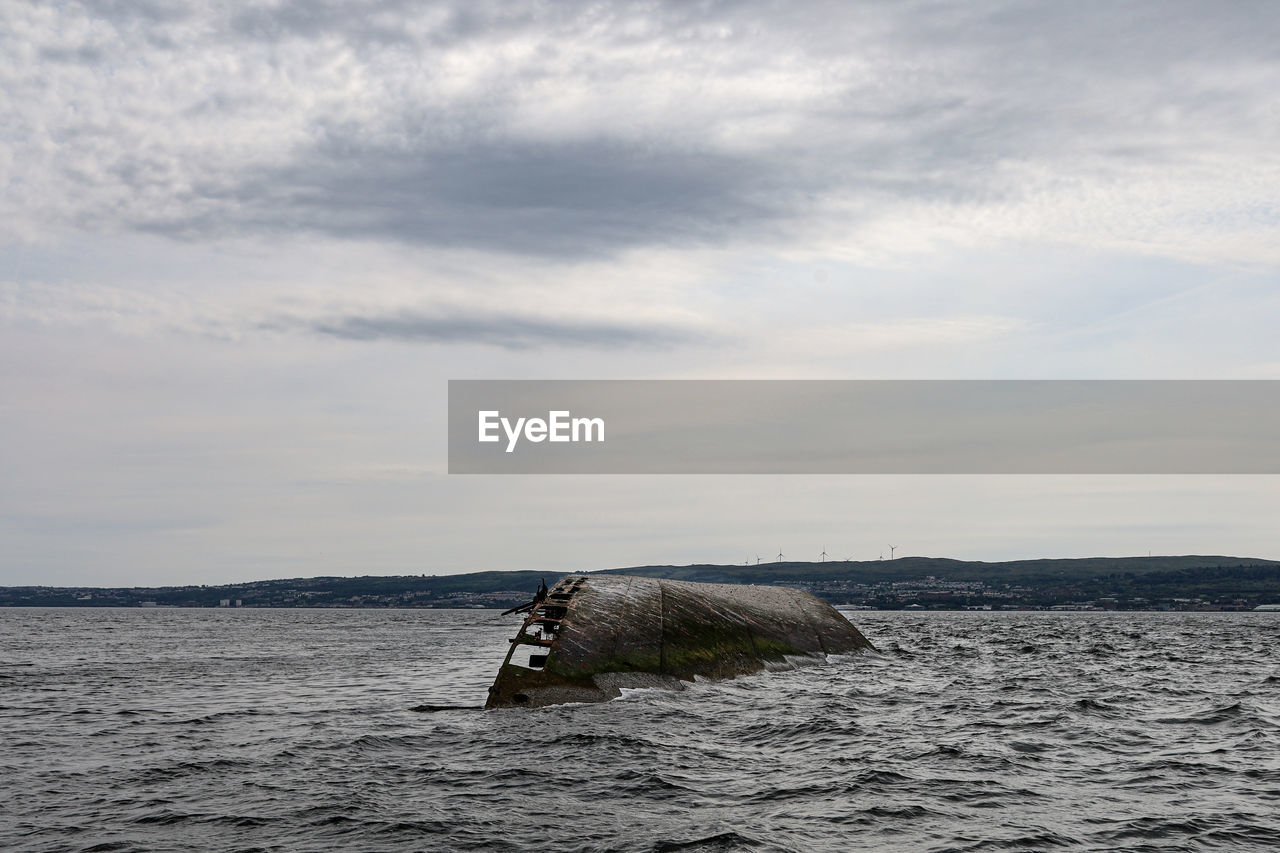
[589,637]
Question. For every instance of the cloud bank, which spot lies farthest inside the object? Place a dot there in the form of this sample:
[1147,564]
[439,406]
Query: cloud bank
[577,130]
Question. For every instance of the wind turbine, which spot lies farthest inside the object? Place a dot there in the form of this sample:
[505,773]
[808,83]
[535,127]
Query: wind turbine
[824,553]
[779,555]
[757,559]
[892,548]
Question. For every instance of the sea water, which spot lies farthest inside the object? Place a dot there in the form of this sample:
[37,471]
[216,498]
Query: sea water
[159,729]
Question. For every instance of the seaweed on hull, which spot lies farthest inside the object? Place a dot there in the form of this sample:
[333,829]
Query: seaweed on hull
[590,636]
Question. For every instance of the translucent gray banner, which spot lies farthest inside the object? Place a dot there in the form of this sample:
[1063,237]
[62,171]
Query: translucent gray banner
[864,427]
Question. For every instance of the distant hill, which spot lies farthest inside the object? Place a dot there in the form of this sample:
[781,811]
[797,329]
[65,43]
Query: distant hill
[1184,582]
[906,568]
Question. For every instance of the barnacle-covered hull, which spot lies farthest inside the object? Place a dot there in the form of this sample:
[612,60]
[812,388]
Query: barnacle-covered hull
[593,635]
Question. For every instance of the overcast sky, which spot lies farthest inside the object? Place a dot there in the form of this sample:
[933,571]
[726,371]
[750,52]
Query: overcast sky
[244,246]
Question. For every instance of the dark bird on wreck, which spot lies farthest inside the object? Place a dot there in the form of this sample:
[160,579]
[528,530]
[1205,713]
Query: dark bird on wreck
[591,636]
[538,598]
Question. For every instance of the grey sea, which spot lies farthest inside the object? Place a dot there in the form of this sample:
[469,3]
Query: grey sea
[294,730]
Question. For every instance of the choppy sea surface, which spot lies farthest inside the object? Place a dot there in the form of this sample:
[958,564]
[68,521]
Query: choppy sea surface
[293,730]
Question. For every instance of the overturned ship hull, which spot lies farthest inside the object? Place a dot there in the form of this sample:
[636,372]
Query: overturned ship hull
[591,636]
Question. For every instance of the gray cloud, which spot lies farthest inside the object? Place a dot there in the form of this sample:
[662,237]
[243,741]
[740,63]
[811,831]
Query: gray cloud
[573,129]
[507,331]
[579,199]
